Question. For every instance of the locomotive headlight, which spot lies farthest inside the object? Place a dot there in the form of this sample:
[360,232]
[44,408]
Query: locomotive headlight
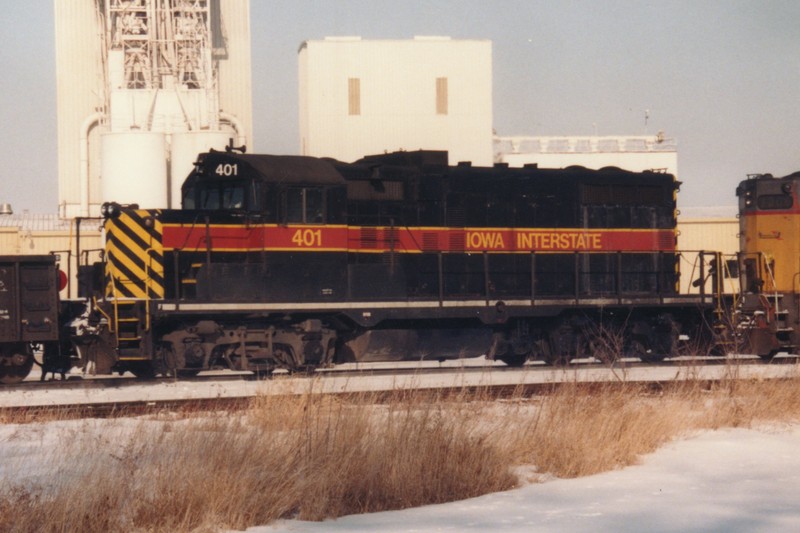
[110,210]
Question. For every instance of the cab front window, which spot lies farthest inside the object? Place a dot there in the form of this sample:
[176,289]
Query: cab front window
[233,197]
[222,196]
[774,201]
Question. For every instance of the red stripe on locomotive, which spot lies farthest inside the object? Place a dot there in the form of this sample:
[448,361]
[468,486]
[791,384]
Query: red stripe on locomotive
[412,240]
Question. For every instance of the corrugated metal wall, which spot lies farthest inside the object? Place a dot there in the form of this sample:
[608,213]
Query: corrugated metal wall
[79,92]
[21,241]
[235,80]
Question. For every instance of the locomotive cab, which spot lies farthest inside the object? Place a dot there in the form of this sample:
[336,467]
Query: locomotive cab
[769,223]
[277,189]
[262,201]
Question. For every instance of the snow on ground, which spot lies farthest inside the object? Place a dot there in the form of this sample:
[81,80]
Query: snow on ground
[731,480]
[734,480]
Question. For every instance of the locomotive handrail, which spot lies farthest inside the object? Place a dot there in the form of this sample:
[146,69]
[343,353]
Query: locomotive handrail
[772,279]
[148,253]
[102,312]
[81,259]
[69,268]
[795,284]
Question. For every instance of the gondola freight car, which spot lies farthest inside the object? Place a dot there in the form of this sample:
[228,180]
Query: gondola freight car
[29,312]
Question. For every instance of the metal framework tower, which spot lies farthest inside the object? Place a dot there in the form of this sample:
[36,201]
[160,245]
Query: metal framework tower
[142,85]
[161,45]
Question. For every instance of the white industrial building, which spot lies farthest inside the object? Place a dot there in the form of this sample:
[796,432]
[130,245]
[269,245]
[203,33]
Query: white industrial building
[141,89]
[360,97]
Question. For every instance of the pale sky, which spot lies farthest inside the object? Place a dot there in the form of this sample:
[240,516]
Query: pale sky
[722,77]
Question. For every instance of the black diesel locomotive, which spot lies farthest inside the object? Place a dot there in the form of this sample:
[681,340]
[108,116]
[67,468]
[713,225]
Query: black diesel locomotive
[299,262]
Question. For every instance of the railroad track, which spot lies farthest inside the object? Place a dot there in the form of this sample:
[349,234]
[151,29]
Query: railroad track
[392,368]
[77,398]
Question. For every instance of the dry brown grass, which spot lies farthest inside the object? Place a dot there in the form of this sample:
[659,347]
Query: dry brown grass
[314,457]
[310,457]
[575,433]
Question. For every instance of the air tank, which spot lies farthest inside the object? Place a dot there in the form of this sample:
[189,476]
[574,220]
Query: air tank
[185,147]
[134,168]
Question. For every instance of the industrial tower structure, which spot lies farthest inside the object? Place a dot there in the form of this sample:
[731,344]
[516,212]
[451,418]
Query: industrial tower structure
[142,85]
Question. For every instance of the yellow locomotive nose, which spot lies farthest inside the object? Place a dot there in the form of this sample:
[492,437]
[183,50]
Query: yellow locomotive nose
[769,228]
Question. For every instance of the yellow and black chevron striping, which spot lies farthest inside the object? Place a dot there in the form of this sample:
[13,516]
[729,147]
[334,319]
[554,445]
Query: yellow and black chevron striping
[134,255]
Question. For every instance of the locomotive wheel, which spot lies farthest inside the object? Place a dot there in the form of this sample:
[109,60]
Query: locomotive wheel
[769,357]
[652,358]
[16,362]
[142,370]
[637,348]
[514,359]
[558,360]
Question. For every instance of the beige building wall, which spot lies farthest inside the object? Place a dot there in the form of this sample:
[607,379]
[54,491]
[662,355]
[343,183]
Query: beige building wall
[706,234]
[17,240]
[9,241]
[360,97]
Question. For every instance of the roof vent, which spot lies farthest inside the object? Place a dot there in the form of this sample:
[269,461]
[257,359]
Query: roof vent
[5,209]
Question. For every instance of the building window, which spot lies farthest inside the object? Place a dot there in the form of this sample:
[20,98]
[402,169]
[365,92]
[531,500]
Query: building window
[354,96]
[441,96]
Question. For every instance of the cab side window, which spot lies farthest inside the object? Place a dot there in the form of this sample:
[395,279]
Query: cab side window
[188,198]
[304,205]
